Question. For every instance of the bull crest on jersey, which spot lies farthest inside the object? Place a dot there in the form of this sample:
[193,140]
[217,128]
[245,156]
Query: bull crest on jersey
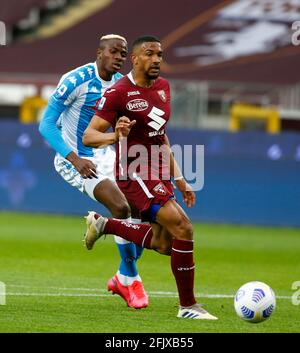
[162,95]
[160,189]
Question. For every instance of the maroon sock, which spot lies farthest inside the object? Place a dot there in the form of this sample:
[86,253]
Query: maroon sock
[183,268]
[140,234]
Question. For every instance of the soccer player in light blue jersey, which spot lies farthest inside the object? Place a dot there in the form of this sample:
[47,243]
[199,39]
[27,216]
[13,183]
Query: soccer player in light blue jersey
[91,170]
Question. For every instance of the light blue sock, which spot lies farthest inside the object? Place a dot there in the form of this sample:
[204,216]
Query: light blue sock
[128,256]
[139,251]
[129,253]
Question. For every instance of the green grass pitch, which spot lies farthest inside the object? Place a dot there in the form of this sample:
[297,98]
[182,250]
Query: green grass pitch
[54,285]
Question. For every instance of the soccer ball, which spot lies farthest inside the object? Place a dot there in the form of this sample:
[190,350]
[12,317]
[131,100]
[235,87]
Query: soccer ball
[254,301]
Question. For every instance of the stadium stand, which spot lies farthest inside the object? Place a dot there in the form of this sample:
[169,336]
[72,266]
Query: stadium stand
[13,11]
[218,53]
[194,38]
[235,51]
[26,15]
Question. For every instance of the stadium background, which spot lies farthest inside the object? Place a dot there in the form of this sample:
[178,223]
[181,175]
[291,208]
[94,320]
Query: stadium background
[217,54]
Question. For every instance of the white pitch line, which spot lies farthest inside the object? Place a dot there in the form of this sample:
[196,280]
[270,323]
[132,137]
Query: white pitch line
[152,294]
[20,294]
[58,288]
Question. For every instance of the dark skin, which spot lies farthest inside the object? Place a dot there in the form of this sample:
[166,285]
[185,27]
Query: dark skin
[171,220]
[146,60]
[146,68]
[111,55]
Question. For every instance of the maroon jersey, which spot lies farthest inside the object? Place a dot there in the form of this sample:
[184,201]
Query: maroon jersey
[150,107]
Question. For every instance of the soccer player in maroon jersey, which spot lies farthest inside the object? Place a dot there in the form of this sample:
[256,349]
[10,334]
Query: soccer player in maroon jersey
[138,108]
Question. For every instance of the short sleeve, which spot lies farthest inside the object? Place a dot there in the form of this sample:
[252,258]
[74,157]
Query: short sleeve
[108,107]
[65,92]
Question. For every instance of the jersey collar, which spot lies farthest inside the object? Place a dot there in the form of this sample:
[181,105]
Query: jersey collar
[101,79]
[131,78]
[96,71]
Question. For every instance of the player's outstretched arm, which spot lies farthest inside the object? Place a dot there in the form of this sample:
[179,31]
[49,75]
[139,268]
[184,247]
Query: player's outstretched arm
[49,130]
[95,135]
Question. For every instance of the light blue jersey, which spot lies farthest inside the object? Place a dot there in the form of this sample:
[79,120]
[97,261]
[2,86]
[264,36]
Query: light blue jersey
[71,107]
[69,111]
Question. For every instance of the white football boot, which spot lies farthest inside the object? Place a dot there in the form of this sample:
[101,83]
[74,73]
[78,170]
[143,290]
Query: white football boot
[195,312]
[94,229]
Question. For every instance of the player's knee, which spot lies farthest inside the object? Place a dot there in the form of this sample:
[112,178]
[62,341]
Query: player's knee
[190,231]
[184,230]
[164,246]
[121,211]
[161,245]
[165,249]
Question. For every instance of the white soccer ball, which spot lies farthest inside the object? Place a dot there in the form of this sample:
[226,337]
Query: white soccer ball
[254,301]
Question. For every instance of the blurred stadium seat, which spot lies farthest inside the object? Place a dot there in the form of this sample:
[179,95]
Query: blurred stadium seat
[13,11]
[217,53]
[25,15]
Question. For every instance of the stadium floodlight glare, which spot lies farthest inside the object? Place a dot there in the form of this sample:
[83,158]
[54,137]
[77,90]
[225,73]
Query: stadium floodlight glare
[2,33]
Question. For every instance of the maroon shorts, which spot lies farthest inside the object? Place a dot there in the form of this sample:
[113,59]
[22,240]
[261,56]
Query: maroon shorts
[143,193]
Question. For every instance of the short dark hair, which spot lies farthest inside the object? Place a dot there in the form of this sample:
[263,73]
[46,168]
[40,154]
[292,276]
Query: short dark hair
[143,39]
